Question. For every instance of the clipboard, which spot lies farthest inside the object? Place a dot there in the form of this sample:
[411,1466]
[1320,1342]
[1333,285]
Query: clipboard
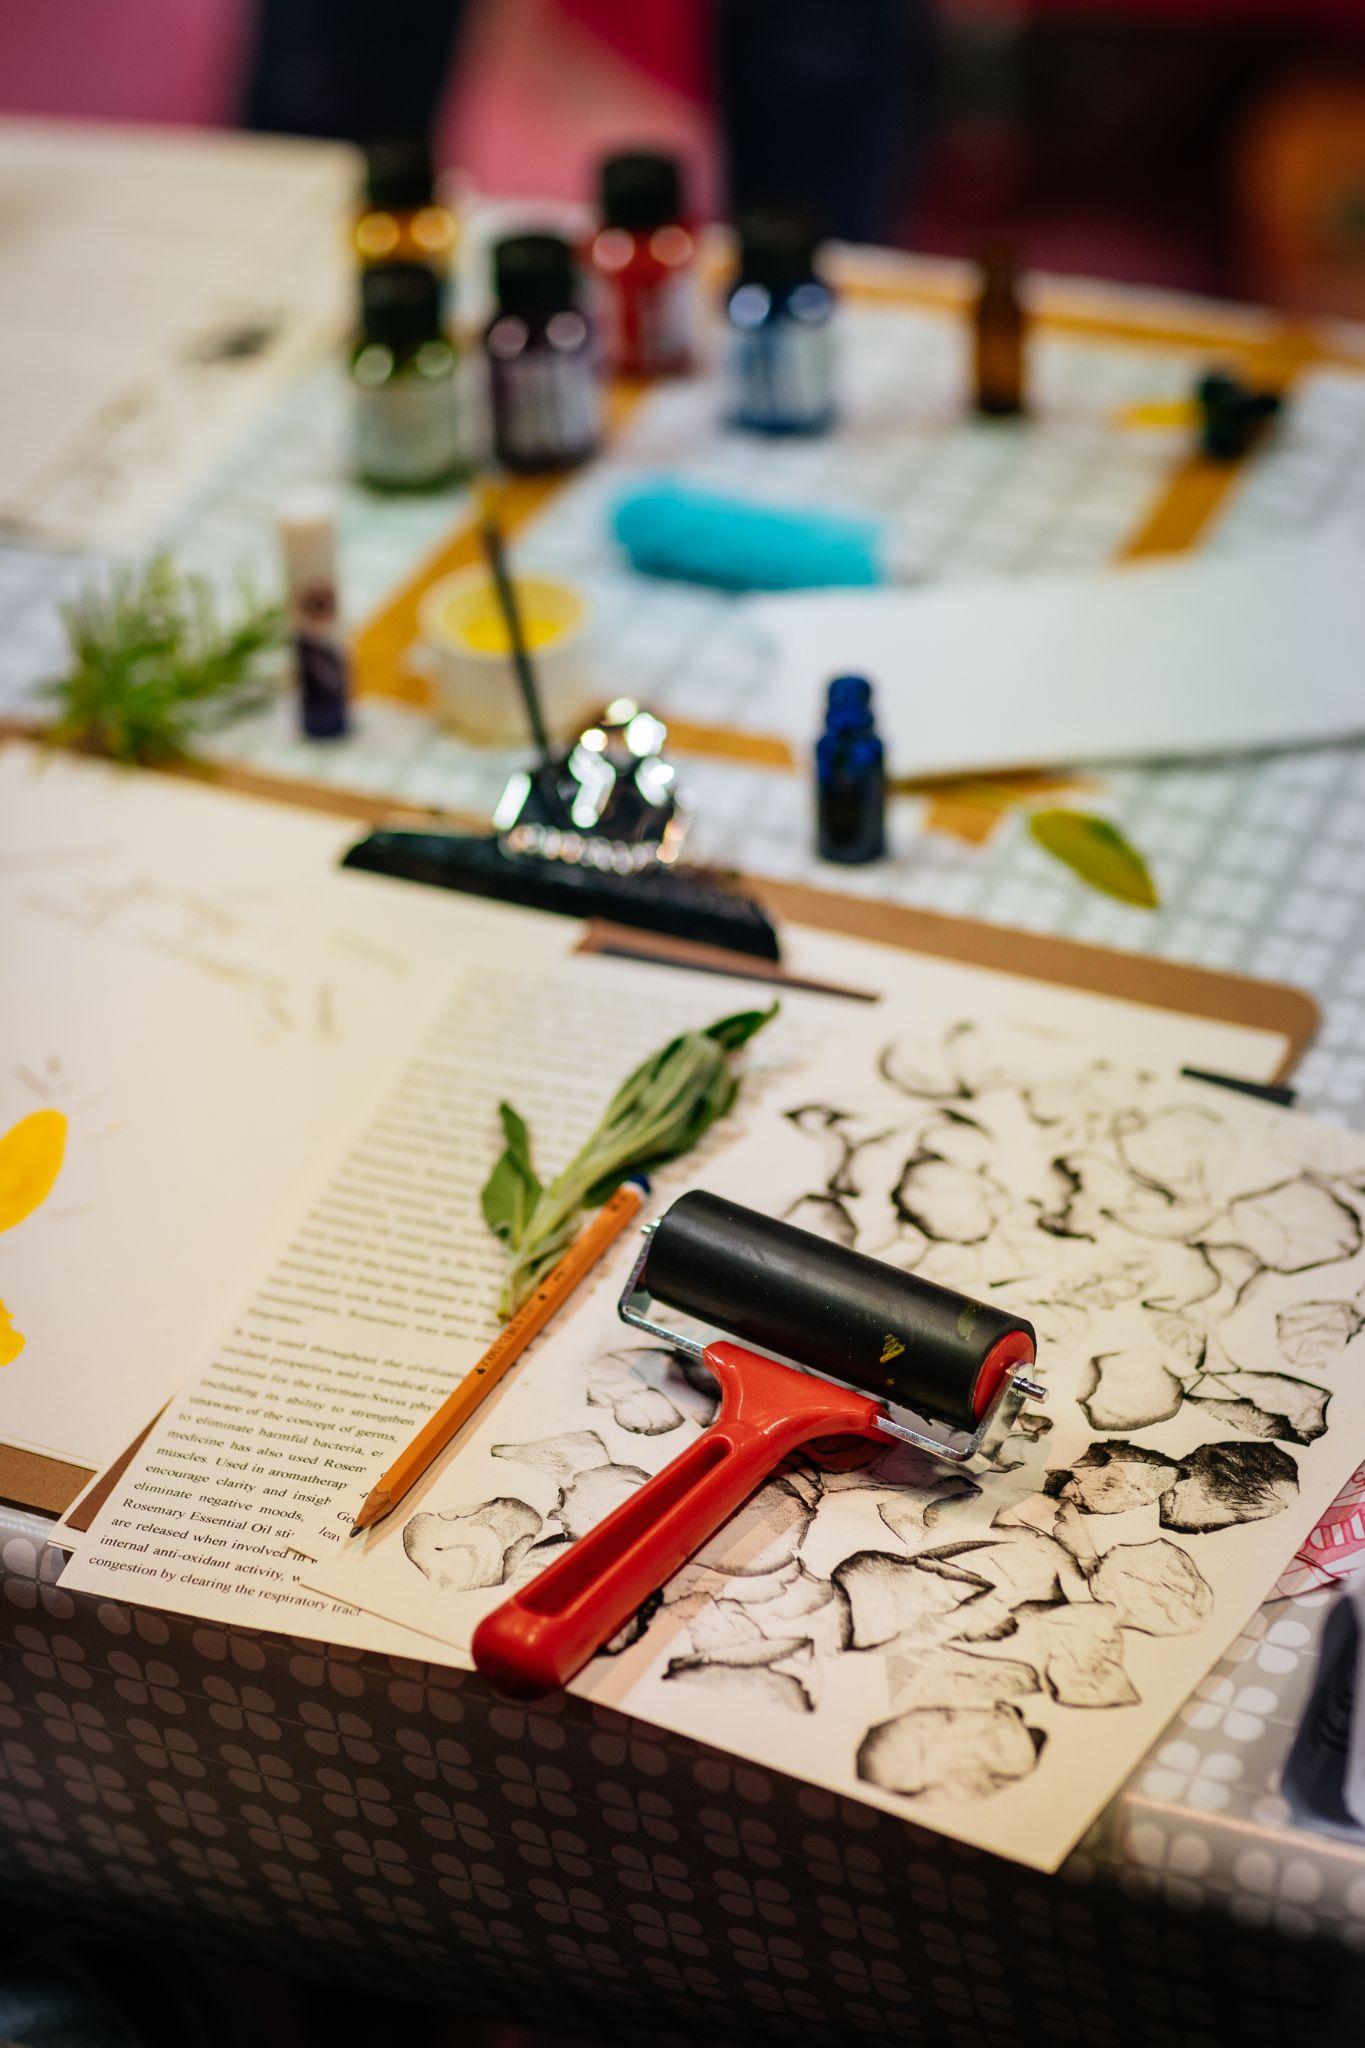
[29,1479]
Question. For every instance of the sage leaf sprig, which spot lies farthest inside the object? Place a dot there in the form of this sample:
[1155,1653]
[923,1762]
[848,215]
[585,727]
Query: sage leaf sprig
[658,1113]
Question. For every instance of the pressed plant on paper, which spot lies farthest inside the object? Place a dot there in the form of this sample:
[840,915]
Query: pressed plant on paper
[659,1112]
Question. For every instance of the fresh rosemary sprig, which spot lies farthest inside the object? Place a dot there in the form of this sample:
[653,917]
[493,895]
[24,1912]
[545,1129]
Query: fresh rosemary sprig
[658,1113]
[153,663]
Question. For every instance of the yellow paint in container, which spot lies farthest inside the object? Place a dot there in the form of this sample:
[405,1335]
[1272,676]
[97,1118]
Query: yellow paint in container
[468,655]
[481,627]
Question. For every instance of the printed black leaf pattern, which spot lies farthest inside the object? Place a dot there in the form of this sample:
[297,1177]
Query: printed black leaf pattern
[1154,1587]
[1180,1150]
[1130,1390]
[1018,1567]
[757,1686]
[763,1537]
[1080,1648]
[961,1752]
[1266,1404]
[616,1381]
[1314,1333]
[889,1598]
[824,1216]
[951,1204]
[946,1677]
[460,1549]
[1223,1484]
[1112,1478]
[1295,1226]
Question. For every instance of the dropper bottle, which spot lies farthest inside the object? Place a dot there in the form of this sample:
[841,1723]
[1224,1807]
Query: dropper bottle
[780,316]
[999,335]
[405,414]
[400,218]
[850,777]
[544,384]
[644,260]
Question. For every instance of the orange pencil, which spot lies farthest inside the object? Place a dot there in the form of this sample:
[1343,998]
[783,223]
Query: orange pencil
[503,1353]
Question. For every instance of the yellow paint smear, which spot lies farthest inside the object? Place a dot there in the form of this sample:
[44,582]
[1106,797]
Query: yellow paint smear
[11,1340]
[31,1154]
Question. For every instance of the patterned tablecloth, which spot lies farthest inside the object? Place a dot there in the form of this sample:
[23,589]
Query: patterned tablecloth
[398,1822]
[401,1823]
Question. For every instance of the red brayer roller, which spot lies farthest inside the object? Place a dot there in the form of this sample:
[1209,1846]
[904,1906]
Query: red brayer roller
[866,1336]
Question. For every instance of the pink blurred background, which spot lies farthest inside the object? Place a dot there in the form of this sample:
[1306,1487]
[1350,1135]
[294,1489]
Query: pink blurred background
[1212,144]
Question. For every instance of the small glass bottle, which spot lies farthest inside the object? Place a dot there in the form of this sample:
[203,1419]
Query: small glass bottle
[307,519]
[999,331]
[405,414]
[780,315]
[400,218]
[544,387]
[850,777]
[644,259]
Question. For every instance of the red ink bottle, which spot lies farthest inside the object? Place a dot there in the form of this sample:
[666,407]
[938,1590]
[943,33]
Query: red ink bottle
[644,261]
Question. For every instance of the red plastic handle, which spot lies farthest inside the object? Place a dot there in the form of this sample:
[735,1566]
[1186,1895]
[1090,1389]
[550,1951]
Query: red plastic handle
[542,1635]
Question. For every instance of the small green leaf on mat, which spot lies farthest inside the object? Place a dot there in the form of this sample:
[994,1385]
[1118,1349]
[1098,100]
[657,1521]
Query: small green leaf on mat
[1097,851]
[512,1189]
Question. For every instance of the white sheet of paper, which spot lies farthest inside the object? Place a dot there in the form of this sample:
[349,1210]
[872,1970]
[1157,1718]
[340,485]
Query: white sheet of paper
[1188,655]
[156,289]
[192,997]
[991,1658]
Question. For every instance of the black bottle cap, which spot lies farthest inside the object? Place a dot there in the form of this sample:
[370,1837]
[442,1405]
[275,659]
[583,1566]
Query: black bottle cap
[400,305]
[640,190]
[399,173]
[533,274]
[777,249]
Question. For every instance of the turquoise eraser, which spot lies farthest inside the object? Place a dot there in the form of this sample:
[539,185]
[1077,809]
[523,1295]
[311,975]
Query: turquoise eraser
[695,536]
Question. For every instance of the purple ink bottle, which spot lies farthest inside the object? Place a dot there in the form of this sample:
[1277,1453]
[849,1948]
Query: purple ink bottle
[544,381]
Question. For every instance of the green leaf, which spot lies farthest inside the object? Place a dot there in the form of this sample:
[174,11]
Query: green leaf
[512,1189]
[1097,851]
[658,1113]
[152,663]
[733,1032]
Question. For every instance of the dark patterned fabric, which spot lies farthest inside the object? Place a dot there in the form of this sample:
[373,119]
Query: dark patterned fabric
[385,1821]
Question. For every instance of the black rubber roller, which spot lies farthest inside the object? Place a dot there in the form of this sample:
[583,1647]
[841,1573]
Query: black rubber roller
[832,1310]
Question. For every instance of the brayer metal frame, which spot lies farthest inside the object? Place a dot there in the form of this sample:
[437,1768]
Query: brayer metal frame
[974,1452]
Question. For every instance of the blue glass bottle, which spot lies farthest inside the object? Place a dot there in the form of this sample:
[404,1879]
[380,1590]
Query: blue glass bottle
[850,777]
[780,316]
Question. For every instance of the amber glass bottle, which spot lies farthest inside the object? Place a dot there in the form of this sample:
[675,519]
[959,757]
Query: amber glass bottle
[1000,331]
[400,218]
